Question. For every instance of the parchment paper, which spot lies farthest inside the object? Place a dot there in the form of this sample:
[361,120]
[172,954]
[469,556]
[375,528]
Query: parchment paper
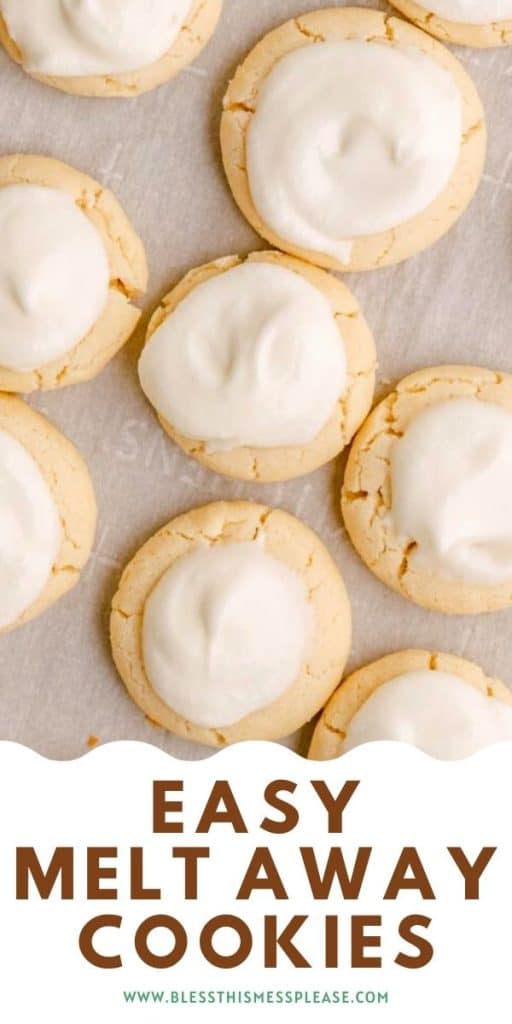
[160,154]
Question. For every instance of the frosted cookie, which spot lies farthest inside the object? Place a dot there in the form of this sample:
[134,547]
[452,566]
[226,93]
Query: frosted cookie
[70,266]
[352,139]
[482,23]
[106,47]
[47,513]
[261,369]
[441,704]
[427,497]
[231,623]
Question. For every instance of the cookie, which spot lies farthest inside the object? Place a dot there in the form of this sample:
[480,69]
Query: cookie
[266,363]
[68,276]
[47,513]
[69,51]
[427,496]
[448,21]
[364,184]
[238,614]
[442,704]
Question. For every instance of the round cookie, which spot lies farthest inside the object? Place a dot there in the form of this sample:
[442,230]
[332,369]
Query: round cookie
[367,490]
[275,464]
[292,545]
[192,38]
[127,267]
[334,724]
[386,247]
[494,33]
[68,481]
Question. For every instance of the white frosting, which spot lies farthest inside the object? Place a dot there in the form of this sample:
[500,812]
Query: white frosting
[30,530]
[351,139]
[225,633]
[438,712]
[252,356]
[93,37]
[54,276]
[452,490]
[471,12]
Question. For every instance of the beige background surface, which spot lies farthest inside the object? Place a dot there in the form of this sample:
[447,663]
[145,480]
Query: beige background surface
[160,154]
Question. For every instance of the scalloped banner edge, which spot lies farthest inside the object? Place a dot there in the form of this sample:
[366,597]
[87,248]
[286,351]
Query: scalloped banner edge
[369,754]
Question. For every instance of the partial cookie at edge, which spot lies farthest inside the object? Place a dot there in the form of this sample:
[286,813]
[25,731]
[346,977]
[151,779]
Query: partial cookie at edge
[69,481]
[357,688]
[128,273]
[497,33]
[366,496]
[193,37]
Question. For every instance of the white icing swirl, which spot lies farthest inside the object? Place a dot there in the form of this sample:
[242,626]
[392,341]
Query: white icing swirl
[54,276]
[251,357]
[437,712]
[451,479]
[93,37]
[351,139]
[471,12]
[225,633]
[30,530]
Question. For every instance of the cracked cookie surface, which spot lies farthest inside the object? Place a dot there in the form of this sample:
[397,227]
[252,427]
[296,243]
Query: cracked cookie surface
[128,274]
[367,497]
[275,464]
[287,539]
[69,482]
[373,27]
[497,33]
[193,37]
[331,731]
